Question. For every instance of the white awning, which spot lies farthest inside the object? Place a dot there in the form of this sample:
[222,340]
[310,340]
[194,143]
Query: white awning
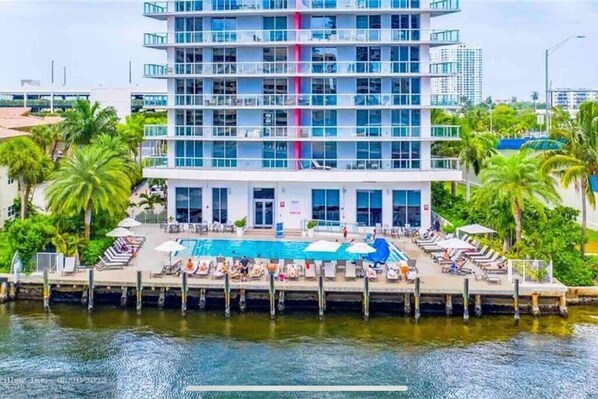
[475,229]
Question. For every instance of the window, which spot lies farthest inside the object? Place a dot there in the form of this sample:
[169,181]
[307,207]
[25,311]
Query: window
[368,59]
[323,27]
[406,208]
[11,211]
[188,204]
[324,59]
[275,91]
[275,59]
[323,4]
[275,123]
[188,5]
[368,91]
[189,154]
[188,60]
[224,29]
[276,28]
[406,122]
[324,153]
[368,26]
[224,60]
[188,91]
[404,59]
[369,207]
[222,5]
[405,3]
[323,91]
[405,27]
[188,30]
[368,122]
[224,154]
[188,122]
[369,154]
[323,123]
[10,180]
[225,122]
[220,205]
[274,154]
[325,206]
[406,155]
[405,91]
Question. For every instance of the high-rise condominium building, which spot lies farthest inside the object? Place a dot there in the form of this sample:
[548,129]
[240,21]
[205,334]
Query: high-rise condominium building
[571,99]
[285,111]
[468,82]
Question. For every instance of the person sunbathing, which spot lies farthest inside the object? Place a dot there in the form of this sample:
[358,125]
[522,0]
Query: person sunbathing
[392,273]
[257,270]
[404,268]
[292,271]
[203,268]
[372,272]
[189,266]
[132,241]
[222,267]
[235,273]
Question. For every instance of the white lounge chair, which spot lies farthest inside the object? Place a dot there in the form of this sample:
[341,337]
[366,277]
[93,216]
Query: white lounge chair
[70,266]
[310,271]
[329,271]
[316,165]
[350,271]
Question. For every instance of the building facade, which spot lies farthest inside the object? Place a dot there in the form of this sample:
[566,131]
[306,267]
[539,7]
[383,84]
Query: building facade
[468,82]
[284,111]
[571,99]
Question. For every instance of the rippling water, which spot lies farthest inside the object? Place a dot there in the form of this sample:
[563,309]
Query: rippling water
[116,354]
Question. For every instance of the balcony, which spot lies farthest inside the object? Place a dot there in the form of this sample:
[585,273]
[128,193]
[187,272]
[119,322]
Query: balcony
[307,37]
[302,68]
[154,101]
[304,133]
[162,9]
[309,101]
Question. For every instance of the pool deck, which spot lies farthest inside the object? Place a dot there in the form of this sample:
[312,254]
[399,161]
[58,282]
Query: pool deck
[432,280]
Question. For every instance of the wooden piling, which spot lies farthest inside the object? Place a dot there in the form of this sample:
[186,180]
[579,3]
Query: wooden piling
[416,299]
[535,304]
[242,303]
[139,293]
[161,298]
[448,304]
[226,294]
[281,301]
[272,296]
[184,291]
[12,291]
[123,296]
[46,291]
[202,298]
[366,298]
[563,306]
[3,292]
[478,305]
[91,289]
[407,304]
[321,304]
[466,300]
[516,300]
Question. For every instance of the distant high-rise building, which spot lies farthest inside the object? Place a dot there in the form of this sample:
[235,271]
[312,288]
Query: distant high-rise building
[571,99]
[468,83]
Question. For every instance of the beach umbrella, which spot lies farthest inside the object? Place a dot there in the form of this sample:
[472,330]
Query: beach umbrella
[361,248]
[454,243]
[170,247]
[120,232]
[322,246]
[128,222]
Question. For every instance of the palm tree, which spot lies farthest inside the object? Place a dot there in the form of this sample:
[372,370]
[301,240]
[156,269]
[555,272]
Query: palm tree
[149,201]
[517,179]
[535,97]
[117,146]
[26,161]
[574,159]
[86,121]
[47,137]
[92,181]
[132,133]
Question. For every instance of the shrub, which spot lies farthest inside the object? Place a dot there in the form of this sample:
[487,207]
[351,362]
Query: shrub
[312,224]
[241,223]
[93,249]
[30,236]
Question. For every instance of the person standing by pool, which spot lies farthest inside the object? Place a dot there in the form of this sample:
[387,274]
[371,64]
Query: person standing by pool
[244,262]
[345,232]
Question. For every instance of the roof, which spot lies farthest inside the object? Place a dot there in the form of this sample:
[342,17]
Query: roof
[19,118]
[9,133]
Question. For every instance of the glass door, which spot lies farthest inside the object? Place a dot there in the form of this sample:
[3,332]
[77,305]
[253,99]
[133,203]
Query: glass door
[264,213]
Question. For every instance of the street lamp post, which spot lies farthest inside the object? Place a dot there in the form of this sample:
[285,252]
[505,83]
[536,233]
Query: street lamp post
[546,83]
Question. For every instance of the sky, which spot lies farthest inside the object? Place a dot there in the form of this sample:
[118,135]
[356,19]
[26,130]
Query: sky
[96,39]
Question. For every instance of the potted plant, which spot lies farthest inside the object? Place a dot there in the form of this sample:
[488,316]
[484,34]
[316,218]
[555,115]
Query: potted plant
[311,227]
[240,226]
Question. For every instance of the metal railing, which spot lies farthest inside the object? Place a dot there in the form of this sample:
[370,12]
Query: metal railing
[532,271]
[334,226]
[152,217]
[302,164]
[294,68]
[305,36]
[212,101]
[156,8]
[338,133]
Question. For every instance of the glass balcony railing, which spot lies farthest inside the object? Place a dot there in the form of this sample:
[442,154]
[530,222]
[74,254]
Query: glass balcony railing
[158,8]
[159,100]
[306,36]
[290,133]
[305,164]
[366,100]
[293,68]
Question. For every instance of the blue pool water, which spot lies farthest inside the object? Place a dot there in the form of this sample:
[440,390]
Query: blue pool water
[268,249]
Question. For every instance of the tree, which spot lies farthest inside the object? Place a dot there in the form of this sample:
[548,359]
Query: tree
[132,133]
[47,137]
[518,179]
[119,148]
[26,161]
[92,181]
[574,159]
[535,97]
[149,201]
[86,121]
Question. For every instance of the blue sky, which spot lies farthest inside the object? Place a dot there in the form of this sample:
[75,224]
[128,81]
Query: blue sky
[95,39]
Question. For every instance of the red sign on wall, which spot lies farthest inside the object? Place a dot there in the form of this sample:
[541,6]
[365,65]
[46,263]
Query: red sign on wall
[282,204]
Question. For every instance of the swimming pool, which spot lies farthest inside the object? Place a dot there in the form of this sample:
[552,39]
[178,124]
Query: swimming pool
[268,249]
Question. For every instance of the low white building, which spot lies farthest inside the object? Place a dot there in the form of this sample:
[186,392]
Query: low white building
[571,99]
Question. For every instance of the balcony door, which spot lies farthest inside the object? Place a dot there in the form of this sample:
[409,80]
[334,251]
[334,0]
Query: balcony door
[263,208]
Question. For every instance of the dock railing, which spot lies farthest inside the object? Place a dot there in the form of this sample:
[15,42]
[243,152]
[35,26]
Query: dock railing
[531,271]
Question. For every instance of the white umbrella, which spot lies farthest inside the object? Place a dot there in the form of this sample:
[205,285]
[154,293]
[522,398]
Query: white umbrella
[170,247]
[361,248]
[323,246]
[454,243]
[120,232]
[128,222]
